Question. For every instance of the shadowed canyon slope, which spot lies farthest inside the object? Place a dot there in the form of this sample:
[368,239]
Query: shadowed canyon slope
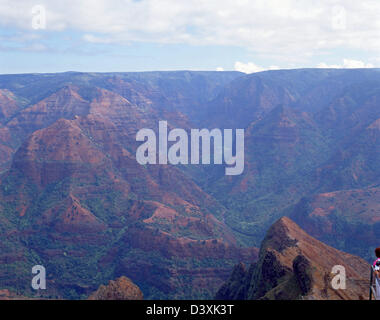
[74,199]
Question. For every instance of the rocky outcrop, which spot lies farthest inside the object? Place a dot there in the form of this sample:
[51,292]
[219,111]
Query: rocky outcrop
[294,265]
[120,289]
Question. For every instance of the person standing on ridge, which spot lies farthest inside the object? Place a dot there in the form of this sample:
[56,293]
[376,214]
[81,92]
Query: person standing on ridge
[376,266]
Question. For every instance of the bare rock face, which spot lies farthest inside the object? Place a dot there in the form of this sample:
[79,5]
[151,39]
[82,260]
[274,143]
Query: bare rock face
[294,265]
[120,289]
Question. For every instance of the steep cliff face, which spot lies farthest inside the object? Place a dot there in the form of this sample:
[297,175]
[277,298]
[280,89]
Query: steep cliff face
[119,289]
[8,105]
[293,265]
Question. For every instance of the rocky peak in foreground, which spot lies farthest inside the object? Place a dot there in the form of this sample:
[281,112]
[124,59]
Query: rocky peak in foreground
[120,289]
[294,265]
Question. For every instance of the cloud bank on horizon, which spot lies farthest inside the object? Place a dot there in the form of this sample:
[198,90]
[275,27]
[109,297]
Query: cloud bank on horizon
[267,34]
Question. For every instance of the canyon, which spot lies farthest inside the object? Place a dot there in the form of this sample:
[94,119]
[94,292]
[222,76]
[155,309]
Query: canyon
[74,199]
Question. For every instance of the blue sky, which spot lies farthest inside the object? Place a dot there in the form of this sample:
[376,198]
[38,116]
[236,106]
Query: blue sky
[243,35]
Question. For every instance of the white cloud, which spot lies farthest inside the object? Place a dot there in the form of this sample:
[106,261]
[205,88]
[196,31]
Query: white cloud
[219,69]
[282,30]
[250,67]
[347,64]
